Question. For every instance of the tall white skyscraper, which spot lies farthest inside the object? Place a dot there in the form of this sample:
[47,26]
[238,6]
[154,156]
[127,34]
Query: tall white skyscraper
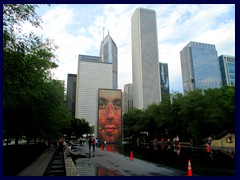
[92,75]
[145,62]
[109,54]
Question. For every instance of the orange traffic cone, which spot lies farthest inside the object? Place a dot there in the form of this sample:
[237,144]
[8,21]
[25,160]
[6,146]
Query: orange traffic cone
[101,148]
[189,168]
[131,155]
[109,149]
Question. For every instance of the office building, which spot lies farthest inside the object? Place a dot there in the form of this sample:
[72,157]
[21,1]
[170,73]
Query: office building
[92,75]
[164,79]
[200,67]
[71,92]
[227,68]
[127,98]
[145,61]
[109,54]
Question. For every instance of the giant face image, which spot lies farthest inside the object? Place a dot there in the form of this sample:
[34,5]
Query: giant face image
[110,115]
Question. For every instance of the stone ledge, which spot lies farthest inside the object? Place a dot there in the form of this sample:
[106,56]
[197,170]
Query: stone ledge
[70,166]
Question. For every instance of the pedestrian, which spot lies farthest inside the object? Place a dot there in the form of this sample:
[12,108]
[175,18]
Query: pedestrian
[229,138]
[96,141]
[69,150]
[209,141]
[90,143]
[93,143]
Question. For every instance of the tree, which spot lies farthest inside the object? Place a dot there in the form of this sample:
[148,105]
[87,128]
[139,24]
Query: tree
[33,102]
[80,127]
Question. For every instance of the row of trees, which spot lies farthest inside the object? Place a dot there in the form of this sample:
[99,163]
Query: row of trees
[197,114]
[33,103]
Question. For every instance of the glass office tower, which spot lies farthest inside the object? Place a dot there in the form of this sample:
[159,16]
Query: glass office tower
[227,67]
[200,66]
[164,79]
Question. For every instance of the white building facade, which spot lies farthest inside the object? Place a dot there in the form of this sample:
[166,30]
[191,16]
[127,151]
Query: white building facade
[92,75]
[145,61]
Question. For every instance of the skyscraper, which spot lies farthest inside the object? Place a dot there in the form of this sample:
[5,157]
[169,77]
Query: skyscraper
[145,63]
[164,79]
[92,75]
[127,98]
[109,54]
[200,66]
[227,67]
[71,92]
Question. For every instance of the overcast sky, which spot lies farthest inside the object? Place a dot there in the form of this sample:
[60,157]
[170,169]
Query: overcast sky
[78,29]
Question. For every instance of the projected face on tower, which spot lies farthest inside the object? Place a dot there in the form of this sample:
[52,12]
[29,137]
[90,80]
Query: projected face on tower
[110,115]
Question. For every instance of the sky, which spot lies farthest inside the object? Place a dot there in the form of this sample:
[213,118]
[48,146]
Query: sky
[79,29]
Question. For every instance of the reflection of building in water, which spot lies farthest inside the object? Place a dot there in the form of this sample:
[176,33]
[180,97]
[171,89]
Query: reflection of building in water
[84,168]
[101,171]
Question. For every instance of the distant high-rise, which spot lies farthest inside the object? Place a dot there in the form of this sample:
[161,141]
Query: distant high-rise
[145,62]
[200,66]
[127,98]
[227,67]
[71,92]
[92,75]
[164,79]
[109,54]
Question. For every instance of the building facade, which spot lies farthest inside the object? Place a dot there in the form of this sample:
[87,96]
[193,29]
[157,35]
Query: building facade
[109,54]
[92,75]
[127,98]
[200,67]
[145,61]
[71,92]
[164,79]
[227,67]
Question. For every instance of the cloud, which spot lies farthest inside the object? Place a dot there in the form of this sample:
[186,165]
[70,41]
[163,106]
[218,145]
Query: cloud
[78,29]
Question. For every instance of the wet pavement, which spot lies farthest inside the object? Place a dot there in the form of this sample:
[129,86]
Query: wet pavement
[104,162]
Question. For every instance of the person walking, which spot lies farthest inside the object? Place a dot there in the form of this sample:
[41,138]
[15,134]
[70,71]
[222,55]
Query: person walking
[90,143]
[93,143]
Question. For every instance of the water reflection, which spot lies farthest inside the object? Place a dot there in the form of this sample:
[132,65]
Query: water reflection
[203,161]
[101,171]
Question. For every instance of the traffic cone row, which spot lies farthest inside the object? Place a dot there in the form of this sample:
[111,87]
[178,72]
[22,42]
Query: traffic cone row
[189,168]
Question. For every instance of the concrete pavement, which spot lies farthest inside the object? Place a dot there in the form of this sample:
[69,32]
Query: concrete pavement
[105,162]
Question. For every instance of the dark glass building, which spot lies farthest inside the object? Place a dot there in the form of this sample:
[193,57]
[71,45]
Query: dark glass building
[71,92]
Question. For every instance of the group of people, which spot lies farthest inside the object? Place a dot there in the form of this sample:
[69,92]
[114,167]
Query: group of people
[92,142]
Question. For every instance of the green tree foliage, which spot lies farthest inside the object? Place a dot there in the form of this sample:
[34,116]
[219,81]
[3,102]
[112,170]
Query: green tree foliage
[33,102]
[196,114]
[79,127]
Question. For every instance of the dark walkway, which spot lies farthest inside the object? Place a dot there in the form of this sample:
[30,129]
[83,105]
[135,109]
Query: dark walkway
[38,167]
